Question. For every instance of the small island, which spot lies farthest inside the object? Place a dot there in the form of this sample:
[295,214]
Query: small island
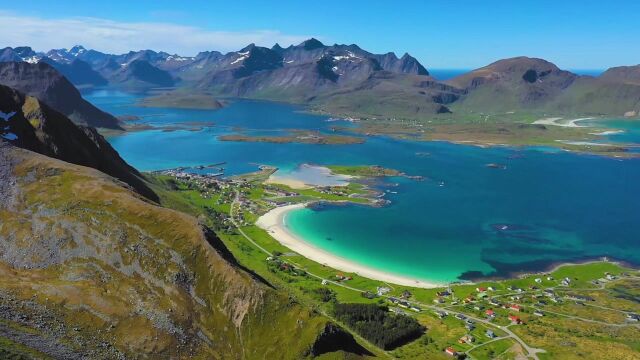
[297,136]
[182,100]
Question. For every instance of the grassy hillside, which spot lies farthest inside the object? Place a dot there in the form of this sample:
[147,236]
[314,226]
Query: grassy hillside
[90,268]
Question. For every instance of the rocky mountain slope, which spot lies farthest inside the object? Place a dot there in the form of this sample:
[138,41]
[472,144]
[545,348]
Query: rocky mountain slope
[89,269]
[31,124]
[42,81]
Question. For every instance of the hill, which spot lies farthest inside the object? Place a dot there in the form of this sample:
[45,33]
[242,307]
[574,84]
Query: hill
[91,270]
[512,84]
[33,125]
[42,81]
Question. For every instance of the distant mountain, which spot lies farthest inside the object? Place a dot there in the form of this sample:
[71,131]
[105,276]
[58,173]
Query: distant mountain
[29,123]
[140,73]
[305,72]
[78,72]
[525,84]
[23,53]
[510,84]
[50,86]
[622,74]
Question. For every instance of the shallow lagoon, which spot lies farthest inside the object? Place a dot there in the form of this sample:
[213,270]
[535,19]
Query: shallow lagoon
[465,220]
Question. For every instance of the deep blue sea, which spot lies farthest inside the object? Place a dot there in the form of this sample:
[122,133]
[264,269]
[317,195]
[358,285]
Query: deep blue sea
[466,220]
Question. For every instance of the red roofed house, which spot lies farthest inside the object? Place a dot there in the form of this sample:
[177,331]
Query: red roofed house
[515,307]
[514,319]
[490,313]
[451,351]
[481,289]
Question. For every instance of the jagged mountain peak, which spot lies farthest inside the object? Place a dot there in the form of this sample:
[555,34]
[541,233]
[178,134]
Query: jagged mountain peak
[311,44]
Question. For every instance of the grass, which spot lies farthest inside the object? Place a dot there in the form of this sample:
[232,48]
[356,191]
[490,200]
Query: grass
[10,350]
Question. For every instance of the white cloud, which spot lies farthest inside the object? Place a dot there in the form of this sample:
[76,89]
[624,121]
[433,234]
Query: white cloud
[119,37]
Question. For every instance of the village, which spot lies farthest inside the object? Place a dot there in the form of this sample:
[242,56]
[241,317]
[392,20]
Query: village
[480,318]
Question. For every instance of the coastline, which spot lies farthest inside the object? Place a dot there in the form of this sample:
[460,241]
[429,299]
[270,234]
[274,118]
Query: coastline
[274,223]
[556,121]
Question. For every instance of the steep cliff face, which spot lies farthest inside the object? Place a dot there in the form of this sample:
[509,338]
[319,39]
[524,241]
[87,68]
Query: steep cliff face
[33,125]
[46,84]
[93,270]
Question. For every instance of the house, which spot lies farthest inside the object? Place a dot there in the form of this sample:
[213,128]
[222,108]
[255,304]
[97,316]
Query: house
[481,289]
[482,295]
[538,280]
[490,288]
[469,327]
[514,319]
[478,307]
[610,277]
[538,313]
[324,282]
[443,293]
[404,304]
[490,313]
[460,317]
[469,299]
[438,301]
[490,334]
[398,311]
[406,294]
[415,308]
[441,314]
[467,339]
[515,307]
[494,302]
[633,317]
[394,300]
[381,290]
[549,278]
[450,351]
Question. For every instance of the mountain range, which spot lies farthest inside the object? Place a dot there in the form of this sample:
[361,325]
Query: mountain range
[347,80]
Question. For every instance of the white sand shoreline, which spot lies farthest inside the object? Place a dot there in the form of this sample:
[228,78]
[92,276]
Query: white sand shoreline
[274,223]
[558,121]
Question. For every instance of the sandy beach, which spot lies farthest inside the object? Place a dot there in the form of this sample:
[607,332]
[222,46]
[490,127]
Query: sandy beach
[274,222]
[292,183]
[558,121]
[307,176]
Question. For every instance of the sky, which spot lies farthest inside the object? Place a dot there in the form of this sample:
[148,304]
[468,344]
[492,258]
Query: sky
[444,34]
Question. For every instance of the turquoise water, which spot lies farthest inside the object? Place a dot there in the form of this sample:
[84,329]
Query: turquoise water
[465,221]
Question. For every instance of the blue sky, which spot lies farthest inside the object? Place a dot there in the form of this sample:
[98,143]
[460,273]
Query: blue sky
[583,34]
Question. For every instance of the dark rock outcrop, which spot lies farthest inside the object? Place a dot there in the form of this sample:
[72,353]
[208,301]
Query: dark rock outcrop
[31,124]
[51,87]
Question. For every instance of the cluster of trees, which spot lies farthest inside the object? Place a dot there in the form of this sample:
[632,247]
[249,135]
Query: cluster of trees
[325,294]
[376,324]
